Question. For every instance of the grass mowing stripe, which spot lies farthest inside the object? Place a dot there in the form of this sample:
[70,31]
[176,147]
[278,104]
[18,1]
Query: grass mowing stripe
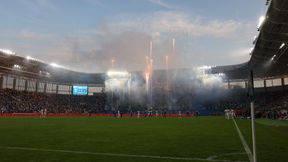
[114,154]
[244,143]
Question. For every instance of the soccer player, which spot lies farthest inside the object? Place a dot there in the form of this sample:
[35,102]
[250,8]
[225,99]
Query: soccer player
[138,114]
[156,114]
[45,113]
[164,114]
[227,113]
[41,113]
[187,113]
[179,114]
[149,112]
[232,113]
[118,114]
[131,113]
[2,110]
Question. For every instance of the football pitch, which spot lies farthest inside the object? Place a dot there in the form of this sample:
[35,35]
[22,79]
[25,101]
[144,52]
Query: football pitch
[107,139]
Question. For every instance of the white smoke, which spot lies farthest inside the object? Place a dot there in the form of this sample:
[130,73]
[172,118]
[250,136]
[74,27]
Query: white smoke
[197,84]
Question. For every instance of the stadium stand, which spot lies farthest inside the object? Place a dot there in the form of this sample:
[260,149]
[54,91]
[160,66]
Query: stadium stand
[13,101]
[273,105]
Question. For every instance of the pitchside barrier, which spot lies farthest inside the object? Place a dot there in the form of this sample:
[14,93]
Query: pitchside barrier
[78,114]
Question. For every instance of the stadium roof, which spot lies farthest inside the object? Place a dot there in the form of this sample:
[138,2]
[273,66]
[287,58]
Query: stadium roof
[32,68]
[269,56]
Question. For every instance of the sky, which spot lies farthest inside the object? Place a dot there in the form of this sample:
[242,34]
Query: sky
[85,35]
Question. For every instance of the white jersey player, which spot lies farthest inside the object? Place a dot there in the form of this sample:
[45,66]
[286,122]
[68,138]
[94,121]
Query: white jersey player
[41,113]
[156,114]
[179,114]
[118,114]
[44,113]
[227,113]
[232,113]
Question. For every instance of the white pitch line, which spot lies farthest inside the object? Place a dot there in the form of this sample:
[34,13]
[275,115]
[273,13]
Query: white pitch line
[114,154]
[228,154]
[244,143]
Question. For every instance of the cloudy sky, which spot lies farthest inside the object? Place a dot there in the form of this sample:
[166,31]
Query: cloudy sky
[84,35]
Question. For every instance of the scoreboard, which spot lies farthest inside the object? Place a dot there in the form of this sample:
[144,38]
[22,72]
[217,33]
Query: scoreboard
[80,90]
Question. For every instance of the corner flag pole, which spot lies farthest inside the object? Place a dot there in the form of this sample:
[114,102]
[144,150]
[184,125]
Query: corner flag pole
[253,116]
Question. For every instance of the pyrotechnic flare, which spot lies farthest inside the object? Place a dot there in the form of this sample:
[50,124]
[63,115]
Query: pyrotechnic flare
[112,63]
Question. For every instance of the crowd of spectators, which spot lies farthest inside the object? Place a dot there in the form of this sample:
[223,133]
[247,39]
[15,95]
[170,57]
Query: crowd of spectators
[270,105]
[273,105]
[236,100]
[12,101]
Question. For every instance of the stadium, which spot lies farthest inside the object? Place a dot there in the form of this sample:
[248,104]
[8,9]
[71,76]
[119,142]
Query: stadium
[166,112]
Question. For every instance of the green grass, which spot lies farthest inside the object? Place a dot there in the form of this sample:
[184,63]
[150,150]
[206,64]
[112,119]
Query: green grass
[200,137]
[271,139]
[277,123]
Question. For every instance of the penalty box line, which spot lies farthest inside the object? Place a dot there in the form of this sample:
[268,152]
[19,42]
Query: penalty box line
[114,154]
[244,143]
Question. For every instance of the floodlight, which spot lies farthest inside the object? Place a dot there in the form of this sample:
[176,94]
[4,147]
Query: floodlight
[255,39]
[28,57]
[118,74]
[261,21]
[57,66]
[221,74]
[251,51]
[54,64]
[17,67]
[282,45]
[273,57]
[7,52]
[44,73]
[204,67]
